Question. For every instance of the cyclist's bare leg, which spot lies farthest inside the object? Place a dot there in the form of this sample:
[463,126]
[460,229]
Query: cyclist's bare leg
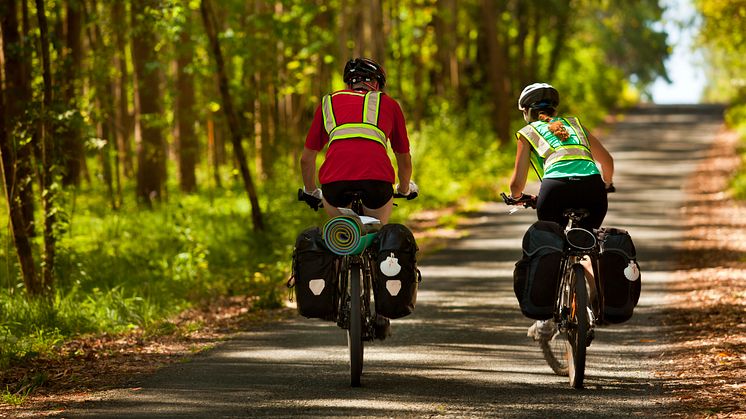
[330,209]
[588,266]
[382,213]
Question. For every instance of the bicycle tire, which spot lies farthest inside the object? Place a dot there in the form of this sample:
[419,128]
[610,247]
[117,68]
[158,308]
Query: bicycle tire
[577,335]
[555,353]
[355,332]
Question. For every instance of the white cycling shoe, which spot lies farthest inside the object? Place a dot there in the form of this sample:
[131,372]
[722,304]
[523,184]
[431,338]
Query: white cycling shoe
[542,330]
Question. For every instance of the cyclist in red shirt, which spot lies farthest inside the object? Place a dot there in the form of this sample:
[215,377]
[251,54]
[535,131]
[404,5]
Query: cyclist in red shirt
[355,125]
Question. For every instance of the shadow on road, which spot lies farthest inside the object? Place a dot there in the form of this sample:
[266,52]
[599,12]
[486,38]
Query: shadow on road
[464,352]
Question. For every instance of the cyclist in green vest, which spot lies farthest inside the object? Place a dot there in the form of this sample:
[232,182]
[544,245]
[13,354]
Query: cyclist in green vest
[566,158]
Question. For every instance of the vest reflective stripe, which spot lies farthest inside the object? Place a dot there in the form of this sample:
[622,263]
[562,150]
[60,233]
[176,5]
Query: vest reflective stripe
[370,108]
[368,129]
[540,145]
[328,113]
[576,152]
[544,155]
[575,125]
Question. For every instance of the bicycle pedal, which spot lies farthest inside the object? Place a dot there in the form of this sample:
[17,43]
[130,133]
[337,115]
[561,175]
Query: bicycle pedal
[591,335]
[382,327]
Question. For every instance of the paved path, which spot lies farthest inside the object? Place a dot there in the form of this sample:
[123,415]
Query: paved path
[464,352]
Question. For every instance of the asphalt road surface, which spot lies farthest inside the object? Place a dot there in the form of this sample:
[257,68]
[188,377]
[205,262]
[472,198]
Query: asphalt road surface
[464,352]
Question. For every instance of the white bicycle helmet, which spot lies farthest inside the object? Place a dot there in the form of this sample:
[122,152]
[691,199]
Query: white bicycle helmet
[538,96]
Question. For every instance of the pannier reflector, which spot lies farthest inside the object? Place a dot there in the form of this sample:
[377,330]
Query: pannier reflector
[393,286]
[316,286]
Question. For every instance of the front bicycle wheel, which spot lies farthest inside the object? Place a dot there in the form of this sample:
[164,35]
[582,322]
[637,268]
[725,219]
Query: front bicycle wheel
[355,332]
[577,333]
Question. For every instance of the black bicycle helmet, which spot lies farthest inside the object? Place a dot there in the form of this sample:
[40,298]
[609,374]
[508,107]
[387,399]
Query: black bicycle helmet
[538,96]
[364,69]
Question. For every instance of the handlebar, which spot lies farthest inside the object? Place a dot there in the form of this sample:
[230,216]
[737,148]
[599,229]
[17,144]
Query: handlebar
[316,203]
[411,196]
[312,201]
[528,201]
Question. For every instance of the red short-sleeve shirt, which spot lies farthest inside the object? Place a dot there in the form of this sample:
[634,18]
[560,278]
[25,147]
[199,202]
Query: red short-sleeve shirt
[353,158]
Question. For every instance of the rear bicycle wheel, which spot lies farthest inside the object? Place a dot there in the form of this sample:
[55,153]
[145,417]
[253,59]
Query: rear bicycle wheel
[555,353]
[355,332]
[577,333]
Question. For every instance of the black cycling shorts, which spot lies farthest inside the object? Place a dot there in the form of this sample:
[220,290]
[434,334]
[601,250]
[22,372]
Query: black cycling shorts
[557,195]
[376,193]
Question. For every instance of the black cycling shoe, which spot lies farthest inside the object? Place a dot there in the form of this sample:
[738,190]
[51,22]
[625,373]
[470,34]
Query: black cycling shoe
[591,335]
[382,327]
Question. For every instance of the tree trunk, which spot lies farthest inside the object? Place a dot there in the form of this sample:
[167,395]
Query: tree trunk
[185,116]
[497,65]
[15,157]
[207,17]
[562,27]
[532,71]
[103,83]
[521,64]
[124,119]
[71,138]
[444,23]
[48,158]
[377,33]
[151,154]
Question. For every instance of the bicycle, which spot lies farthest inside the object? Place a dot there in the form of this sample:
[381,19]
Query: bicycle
[578,302]
[355,278]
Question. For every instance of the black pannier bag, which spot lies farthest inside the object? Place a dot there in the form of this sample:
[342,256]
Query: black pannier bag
[620,274]
[397,277]
[315,276]
[536,275]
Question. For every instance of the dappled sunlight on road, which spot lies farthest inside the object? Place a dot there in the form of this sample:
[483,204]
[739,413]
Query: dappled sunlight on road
[464,351]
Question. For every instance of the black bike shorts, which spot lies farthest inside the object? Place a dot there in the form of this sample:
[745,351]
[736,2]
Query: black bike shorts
[376,193]
[557,195]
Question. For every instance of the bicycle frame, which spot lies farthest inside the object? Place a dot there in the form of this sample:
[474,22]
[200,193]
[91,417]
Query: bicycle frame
[355,273]
[360,266]
[579,302]
[355,313]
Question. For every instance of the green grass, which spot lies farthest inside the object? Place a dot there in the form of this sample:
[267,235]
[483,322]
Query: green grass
[735,116]
[14,399]
[135,268]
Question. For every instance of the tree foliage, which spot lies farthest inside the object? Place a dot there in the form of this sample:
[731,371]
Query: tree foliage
[721,32]
[126,111]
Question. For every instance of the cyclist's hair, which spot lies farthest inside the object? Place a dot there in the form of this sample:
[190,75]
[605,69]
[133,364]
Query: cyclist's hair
[556,127]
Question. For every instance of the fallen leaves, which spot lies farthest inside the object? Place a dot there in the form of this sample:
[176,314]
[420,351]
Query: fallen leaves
[101,362]
[707,363]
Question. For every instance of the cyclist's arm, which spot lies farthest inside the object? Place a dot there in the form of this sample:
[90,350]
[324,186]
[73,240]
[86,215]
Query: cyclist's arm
[404,169]
[520,171]
[603,157]
[308,168]
[400,145]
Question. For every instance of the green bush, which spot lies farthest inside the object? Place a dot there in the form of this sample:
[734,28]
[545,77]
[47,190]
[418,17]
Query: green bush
[135,268]
[735,117]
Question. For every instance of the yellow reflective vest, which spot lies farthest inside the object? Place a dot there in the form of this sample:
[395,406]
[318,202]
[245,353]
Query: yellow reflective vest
[545,153]
[367,129]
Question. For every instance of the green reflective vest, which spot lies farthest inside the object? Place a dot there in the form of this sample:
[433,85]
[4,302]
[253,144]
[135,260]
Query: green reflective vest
[546,150]
[367,129]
